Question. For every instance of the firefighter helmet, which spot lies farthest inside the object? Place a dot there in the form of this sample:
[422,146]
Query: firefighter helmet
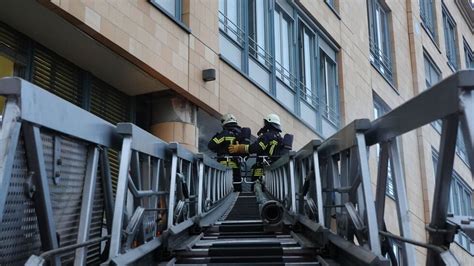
[227,119]
[274,120]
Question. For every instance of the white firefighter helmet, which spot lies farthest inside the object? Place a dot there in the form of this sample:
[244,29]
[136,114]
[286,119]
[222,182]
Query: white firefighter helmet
[228,118]
[274,120]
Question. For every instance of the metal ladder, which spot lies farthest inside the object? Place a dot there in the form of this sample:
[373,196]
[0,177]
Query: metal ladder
[240,238]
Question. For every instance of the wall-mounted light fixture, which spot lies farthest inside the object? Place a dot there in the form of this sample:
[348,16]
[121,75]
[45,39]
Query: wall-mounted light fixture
[209,74]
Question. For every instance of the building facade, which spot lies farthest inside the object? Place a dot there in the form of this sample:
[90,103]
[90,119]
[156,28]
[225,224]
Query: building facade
[319,64]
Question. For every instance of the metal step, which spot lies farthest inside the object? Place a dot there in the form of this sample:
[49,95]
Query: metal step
[250,260]
[245,208]
[240,239]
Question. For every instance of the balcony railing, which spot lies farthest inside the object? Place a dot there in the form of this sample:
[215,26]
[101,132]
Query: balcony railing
[381,60]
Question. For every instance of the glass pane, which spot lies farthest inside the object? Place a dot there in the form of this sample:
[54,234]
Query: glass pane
[232,14]
[467,202]
[323,75]
[427,72]
[307,66]
[457,209]
[285,41]
[332,90]
[277,42]
[222,6]
[168,5]
[434,75]
[261,26]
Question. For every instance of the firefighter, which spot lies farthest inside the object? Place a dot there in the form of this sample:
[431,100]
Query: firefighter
[231,134]
[269,143]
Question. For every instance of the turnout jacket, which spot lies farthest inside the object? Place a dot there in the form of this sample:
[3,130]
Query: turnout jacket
[219,143]
[267,144]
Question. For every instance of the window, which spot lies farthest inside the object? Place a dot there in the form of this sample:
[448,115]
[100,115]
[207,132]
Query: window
[172,7]
[432,72]
[307,65]
[230,19]
[259,38]
[460,198]
[427,16]
[432,76]
[397,251]
[450,38]
[461,146]
[329,88]
[381,108]
[380,50]
[331,2]
[283,40]
[258,31]
[469,54]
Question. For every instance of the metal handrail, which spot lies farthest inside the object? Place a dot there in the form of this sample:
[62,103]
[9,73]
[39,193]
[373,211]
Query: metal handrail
[236,30]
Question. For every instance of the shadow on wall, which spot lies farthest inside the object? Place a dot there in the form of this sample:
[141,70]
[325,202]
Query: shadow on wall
[208,126]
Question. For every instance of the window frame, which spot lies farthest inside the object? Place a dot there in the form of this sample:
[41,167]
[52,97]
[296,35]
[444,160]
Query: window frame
[290,80]
[313,97]
[450,28]
[428,16]
[261,54]
[239,33]
[433,65]
[455,205]
[380,39]
[382,108]
[177,17]
[468,55]
[281,89]
[329,112]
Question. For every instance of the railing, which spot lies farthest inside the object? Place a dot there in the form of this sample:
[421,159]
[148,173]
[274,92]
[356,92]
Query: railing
[164,195]
[55,182]
[308,183]
[231,29]
[286,76]
[260,54]
[324,186]
[330,182]
[55,185]
[141,193]
[346,183]
[215,182]
[452,101]
[381,60]
[280,181]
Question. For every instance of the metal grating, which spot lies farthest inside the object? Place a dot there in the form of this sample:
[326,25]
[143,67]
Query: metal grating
[14,42]
[114,165]
[109,103]
[66,196]
[245,208]
[19,236]
[56,75]
[93,252]
[113,106]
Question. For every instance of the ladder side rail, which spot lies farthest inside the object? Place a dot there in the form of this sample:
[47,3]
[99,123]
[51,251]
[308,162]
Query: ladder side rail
[452,101]
[34,132]
[141,176]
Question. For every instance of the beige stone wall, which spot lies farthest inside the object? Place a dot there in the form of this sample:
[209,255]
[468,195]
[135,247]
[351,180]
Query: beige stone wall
[155,42]
[141,33]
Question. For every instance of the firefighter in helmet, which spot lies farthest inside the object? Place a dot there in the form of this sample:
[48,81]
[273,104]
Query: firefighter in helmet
[269,143]
[231,134]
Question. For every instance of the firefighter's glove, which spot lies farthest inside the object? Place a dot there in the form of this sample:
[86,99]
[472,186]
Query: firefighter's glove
[238,148]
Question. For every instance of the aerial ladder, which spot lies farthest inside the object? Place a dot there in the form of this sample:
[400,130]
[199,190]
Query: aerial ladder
[61,204]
